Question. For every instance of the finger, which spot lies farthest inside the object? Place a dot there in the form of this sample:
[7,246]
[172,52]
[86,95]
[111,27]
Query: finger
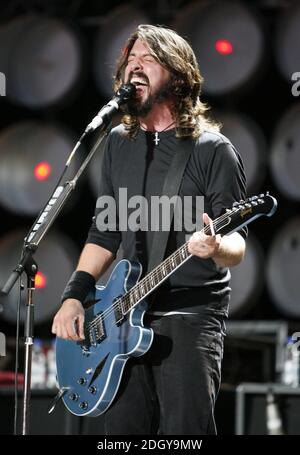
[197,236]
[206,241]
[64,333]
[206,218]
[71,330]
[54,325]
[80,327]
[208,222]
[218,239]
[58,332]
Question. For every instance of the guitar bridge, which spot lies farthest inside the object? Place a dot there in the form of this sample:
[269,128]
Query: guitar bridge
[118,310]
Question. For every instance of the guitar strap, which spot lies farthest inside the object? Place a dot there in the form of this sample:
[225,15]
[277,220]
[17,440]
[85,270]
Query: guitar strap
[171,188]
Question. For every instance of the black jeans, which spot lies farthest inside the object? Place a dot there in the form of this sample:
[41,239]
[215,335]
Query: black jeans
[172,389]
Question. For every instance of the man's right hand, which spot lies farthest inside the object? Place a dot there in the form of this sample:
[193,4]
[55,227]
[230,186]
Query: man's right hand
[68,321]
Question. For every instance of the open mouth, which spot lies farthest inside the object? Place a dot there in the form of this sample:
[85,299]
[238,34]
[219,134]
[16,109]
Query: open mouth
[139,82]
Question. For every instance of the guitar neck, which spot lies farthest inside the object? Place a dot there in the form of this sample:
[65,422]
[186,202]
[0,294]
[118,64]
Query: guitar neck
[154,279]
[164,270]
[241,214]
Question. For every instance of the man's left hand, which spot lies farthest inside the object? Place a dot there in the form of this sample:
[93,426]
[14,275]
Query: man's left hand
[202,245]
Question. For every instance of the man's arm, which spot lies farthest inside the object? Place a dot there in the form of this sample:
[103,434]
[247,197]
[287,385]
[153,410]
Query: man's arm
[95,260]
[226,251]
[68,321]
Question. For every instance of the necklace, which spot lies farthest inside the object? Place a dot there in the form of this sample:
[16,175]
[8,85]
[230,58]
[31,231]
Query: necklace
[156,138]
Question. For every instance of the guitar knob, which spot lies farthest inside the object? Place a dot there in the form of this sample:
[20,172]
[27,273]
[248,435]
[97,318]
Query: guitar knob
[83,405]
[92,389]
[81,381]
[73,397]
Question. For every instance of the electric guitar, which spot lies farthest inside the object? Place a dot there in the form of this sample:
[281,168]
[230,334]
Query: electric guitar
[89,372]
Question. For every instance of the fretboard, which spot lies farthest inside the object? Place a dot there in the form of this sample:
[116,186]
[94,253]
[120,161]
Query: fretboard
[241,214]
[153,279]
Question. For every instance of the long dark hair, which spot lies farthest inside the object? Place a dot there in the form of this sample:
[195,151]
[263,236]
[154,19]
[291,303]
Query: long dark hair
[176,55]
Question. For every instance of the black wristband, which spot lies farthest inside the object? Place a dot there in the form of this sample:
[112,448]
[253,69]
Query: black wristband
[78,287]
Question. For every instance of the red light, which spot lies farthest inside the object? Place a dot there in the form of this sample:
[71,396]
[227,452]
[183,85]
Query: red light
[224,47]
[42,171]
[40,281]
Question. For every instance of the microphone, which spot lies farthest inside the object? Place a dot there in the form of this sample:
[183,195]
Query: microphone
[124,94]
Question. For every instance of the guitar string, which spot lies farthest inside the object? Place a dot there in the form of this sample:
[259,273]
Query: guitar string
[154,274]
[133,290]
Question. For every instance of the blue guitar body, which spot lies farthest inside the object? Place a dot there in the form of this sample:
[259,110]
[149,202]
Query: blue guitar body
[89,372]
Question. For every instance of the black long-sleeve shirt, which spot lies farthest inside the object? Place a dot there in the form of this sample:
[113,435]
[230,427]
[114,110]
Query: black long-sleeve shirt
[214,171]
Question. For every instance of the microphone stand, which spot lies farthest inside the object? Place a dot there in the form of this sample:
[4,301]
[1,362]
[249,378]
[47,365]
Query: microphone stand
[27,264]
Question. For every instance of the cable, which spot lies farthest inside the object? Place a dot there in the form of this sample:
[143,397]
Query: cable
[17,358]
[273,417]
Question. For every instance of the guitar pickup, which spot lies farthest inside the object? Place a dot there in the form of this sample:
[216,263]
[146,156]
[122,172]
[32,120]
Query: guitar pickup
[97,330]
[100,328]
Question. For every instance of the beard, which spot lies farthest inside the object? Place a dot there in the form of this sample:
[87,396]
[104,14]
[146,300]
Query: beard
[139,108]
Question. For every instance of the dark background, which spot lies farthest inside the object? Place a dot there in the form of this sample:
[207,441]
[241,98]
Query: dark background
[265,100]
